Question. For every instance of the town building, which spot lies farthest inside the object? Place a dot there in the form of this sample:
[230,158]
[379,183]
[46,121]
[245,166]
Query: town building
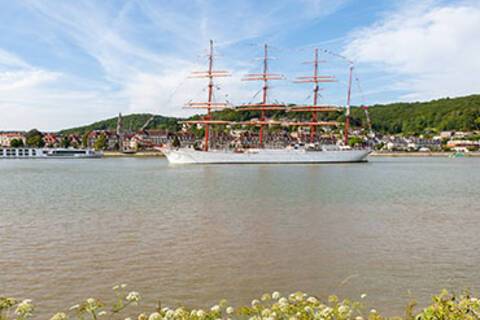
[6,138]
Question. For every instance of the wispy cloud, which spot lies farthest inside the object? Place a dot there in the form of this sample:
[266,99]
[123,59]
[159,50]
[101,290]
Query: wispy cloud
[431,47]
[67,63]
[138,54]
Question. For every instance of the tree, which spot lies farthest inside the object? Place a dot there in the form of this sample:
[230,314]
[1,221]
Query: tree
[35,139]
[176,142]
[16,143]
[85,139]
[101,142]
[65,142]
[353,141]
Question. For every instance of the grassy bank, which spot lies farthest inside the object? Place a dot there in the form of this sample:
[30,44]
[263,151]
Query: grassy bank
[274,306]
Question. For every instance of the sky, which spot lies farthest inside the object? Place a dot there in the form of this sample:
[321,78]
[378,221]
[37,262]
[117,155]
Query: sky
[70,63]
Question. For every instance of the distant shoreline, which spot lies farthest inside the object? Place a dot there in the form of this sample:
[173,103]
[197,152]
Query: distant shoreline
[420,154]
[140,154]
[158,154]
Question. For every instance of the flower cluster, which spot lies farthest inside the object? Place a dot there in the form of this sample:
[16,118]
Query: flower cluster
[274,306]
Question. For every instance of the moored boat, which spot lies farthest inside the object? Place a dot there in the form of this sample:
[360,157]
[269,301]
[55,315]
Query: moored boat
[48,153]
[272,156]
[314,152]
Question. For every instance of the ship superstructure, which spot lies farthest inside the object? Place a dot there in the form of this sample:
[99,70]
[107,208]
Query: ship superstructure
[311,152]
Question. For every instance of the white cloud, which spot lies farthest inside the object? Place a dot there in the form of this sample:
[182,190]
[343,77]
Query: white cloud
[434,48]
[9,60]
[143,52]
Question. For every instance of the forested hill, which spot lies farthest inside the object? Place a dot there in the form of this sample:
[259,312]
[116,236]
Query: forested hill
[461,114]
[132,122]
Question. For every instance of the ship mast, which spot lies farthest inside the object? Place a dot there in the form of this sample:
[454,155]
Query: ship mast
[210,104]
[264,106]
[315,107]
[347,112]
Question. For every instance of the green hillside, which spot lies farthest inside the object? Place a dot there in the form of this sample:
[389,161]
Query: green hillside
[461,114]
[131,122]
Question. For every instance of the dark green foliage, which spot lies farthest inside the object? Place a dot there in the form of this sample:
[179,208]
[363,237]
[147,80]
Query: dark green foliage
[85,139]
[458,114]
[16,143]
[353,141]
[132,122]
[35,139]
[65,143]
[101,142]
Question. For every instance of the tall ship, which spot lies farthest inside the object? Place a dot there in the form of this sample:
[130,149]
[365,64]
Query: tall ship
[258,148]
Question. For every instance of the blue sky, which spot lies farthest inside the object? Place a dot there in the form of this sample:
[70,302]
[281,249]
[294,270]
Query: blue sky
[68,63]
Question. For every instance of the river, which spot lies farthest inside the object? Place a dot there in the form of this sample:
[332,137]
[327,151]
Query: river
[395,229]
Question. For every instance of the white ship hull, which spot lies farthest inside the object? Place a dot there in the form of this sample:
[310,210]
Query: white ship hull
[191,156]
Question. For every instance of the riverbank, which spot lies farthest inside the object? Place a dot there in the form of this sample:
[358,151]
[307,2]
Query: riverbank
[141,154]
[150,154]
[421,154]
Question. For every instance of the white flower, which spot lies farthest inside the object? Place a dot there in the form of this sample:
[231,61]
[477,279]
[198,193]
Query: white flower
[123,286]
[90,301]
[201,313]
[308,309]
[165,309]
[128,318]
[59,316]
[116,287]
[76,306]
[266,313]
[178,311]
[215,308]
[312,300]
[283,301]
[255,303]
[276,295]
[229,310]
[25,308]
[133,296]
[169,314]
[363,296]
[155,316]
[325,312]
[358,318]
[102,313]
[373,311]
[343,309]
[266,297]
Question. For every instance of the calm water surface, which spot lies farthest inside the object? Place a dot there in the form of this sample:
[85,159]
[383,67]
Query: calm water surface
[392,228]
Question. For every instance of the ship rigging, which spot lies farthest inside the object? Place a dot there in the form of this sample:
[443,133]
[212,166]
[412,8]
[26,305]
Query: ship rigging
[263,154]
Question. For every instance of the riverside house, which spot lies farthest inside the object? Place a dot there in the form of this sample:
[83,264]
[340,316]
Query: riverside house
[6,138]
